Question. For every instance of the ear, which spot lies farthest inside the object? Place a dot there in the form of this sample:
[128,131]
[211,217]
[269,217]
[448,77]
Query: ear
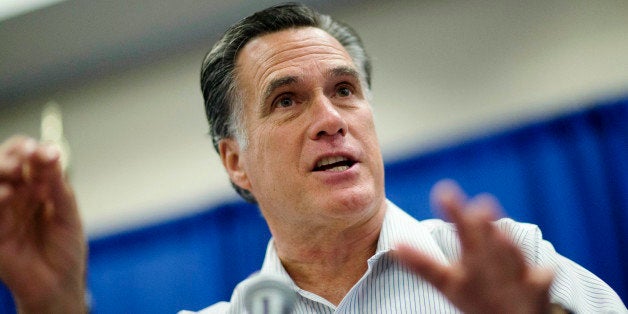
[230,156]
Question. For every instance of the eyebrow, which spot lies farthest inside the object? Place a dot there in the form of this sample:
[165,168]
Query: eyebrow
[288,80]
[344,71]
[278,83]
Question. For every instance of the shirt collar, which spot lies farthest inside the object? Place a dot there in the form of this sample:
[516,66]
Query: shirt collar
[397,227]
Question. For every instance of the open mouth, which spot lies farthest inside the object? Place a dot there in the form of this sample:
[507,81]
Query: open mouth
[335,164]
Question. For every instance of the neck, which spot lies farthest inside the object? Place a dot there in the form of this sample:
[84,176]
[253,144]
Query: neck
[329,261]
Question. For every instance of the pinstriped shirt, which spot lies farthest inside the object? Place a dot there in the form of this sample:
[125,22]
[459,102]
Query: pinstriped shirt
[388,287]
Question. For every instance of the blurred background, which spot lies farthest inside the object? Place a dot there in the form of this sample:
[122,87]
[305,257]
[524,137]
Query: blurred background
[125,76]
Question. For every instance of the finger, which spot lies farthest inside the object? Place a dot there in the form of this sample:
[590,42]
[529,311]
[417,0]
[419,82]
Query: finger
[58,195]
[493,249]
[448,198]
[13,154]
[13,143]
[542,278]
[478,217]
[509,257]
[6,191]
[480,239]
[44,158]
[437,274]
[43,170]
[540,281]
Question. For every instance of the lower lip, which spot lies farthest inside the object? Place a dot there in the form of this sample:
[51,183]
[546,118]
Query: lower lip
[334,177]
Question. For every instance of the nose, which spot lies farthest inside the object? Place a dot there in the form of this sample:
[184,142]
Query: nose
[327,120]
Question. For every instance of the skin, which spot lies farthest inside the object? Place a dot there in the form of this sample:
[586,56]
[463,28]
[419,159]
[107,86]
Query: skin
[42,247]
[304,101]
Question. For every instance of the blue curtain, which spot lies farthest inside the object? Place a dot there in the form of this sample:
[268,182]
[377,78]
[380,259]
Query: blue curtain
[569,175]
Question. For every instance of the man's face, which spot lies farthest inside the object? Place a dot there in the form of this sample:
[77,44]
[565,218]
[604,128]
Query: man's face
[312,154]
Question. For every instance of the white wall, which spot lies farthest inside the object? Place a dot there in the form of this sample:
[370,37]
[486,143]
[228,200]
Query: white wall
[452,68]
[444,71]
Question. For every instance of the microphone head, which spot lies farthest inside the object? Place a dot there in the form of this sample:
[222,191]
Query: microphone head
[268,294]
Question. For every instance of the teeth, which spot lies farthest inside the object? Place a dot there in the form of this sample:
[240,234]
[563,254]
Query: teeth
[339,168]
[331,160]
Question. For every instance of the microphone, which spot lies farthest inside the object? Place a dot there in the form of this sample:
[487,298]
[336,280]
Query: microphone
[268,294]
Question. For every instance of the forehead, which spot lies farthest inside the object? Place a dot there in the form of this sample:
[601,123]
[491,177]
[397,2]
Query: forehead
[291,44]
[288,51]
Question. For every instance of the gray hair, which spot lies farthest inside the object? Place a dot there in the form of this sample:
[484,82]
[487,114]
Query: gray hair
[223,103]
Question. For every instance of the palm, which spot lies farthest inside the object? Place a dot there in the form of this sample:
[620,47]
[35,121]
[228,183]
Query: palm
[39,253]
[42,247]
[492,275]
[488,275]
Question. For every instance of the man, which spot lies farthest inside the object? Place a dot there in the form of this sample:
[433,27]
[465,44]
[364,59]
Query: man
[287,97]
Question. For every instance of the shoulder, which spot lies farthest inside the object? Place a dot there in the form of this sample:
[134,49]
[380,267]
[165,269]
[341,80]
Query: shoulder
[518,231]
[526,236]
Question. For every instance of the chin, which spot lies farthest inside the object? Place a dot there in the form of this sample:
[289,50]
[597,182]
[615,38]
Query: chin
[352,202]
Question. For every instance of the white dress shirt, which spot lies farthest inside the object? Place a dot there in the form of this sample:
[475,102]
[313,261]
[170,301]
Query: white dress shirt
[388,287]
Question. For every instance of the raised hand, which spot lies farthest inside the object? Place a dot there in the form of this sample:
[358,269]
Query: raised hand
[492,275]
[42,245]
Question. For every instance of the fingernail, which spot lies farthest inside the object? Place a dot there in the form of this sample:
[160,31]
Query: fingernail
[51,152]
[444,190]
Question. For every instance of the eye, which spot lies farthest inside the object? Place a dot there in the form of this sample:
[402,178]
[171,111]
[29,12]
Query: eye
[343,91]
[284,101]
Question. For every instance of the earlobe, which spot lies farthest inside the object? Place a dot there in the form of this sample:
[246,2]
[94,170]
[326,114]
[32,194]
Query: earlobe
[230,156]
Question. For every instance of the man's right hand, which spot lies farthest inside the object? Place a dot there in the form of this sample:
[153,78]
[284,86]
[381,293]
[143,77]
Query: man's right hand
[42,245]
[492,275]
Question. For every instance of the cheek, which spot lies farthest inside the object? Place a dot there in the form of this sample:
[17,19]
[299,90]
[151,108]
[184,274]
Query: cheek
[368,136]
[269,148]
[366,129]
[272,163]
[268,139]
